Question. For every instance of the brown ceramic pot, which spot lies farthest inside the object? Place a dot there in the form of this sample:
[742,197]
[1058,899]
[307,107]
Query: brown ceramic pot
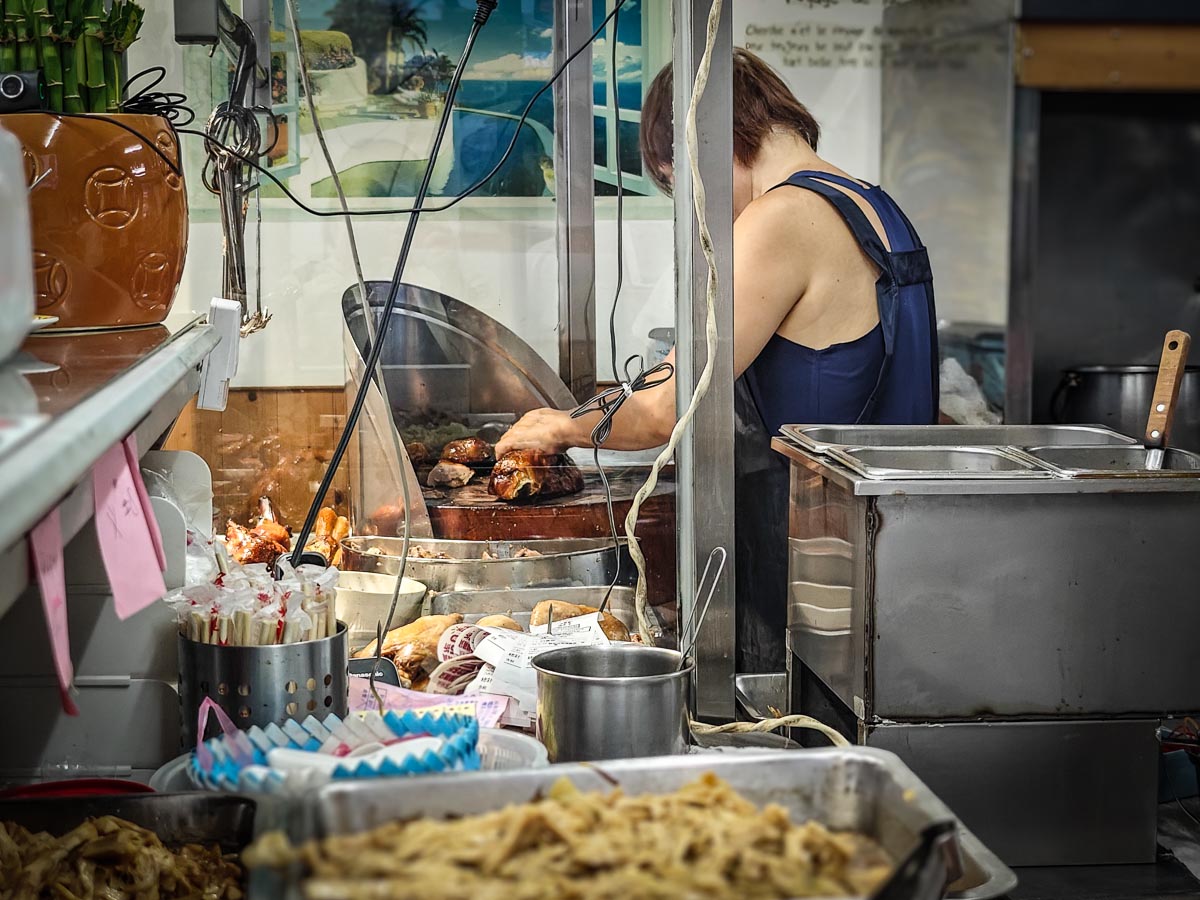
[109,217]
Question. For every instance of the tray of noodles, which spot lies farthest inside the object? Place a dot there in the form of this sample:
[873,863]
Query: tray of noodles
[820,823]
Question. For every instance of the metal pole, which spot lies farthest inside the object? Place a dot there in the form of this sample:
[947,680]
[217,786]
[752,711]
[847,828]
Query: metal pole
[704,462]
[574,190]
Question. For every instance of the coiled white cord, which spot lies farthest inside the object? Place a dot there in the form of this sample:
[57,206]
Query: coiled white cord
[710,326]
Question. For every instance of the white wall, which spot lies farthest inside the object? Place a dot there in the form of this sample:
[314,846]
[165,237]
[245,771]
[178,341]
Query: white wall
[829,54]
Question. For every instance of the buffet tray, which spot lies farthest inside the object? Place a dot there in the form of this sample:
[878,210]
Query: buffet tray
[1112,462]
[944,462]
[821,439]
[861,789]
[518,603]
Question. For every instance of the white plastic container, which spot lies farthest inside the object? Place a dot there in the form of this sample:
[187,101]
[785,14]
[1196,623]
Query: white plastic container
[16,250]
[503,750]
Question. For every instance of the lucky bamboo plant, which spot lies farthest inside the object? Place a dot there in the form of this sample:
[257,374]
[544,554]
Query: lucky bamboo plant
[78,45]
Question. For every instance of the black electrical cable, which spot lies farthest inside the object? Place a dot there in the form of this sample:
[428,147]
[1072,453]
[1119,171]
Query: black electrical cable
[616,85]
[608,403]
[171,105]
[471,191]
[483,10]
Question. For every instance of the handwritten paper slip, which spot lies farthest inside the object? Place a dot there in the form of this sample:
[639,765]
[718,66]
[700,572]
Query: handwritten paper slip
[46,559]
[511,654]
[126,537]
[133,460]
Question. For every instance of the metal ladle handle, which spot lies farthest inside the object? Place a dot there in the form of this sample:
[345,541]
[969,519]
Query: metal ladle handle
[687,638]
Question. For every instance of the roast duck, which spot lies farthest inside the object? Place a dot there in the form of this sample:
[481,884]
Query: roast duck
[413,648]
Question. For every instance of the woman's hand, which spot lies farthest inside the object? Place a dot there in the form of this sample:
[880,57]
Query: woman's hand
[542,429]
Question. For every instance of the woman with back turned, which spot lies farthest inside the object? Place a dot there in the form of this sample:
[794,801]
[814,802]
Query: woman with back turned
[833,324]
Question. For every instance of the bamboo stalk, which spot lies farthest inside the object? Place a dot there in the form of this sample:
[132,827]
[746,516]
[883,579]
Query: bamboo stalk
[71,16]
[93,54]
[26,36]
[48,46]
[8,46]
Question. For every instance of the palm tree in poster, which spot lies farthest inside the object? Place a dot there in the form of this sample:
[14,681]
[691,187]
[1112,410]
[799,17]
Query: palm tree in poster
[379,29]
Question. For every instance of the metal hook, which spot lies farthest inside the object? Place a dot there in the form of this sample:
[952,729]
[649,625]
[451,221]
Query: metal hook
[687,641]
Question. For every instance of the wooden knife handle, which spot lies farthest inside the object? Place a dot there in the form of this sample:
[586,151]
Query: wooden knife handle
[1166,389]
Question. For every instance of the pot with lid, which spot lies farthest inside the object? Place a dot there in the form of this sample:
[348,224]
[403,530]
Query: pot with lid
[1118,397]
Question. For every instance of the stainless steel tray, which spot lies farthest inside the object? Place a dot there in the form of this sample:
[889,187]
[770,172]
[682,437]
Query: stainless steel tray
[1113,462]
[823,438]
[563,561]
[518,603]
[887,463]
[860,789]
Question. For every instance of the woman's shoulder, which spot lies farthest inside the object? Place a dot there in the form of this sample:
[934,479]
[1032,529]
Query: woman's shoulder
[792,216]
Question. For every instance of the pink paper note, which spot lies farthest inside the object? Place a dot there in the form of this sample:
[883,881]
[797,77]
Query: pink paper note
[126,540]
[46,559]
[133,460]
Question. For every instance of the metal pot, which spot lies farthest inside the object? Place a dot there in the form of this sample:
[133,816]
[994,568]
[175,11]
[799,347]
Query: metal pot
[611,702]
[1119,397]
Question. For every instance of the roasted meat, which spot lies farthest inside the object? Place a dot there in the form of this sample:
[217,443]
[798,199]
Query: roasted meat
[499,621]
[418,453]
[612,627]
[246,546]
[534,475]
[449,474]
[413,647]
[269,525]
[328,532]
[470,452]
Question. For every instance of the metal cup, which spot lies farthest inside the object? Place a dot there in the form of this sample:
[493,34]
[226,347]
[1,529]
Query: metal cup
[611,702]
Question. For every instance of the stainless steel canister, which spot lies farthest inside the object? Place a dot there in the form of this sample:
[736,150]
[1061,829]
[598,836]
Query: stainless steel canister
[261,685]
[1119,398]
[611,702]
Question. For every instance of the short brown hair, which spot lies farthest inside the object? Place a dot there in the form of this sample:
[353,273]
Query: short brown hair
[761,102]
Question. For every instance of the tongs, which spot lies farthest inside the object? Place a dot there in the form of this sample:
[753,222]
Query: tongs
[932,866]
[1166,392]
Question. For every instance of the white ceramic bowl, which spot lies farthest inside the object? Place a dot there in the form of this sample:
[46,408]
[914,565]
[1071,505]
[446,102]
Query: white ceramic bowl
[363,599]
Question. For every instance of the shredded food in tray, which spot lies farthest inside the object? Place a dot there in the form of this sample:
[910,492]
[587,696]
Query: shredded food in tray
[111,859]
[702,841]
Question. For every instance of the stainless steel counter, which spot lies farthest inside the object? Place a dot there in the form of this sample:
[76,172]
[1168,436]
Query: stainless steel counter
[1014,639]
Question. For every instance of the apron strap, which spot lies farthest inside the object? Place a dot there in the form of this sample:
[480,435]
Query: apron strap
[856,219]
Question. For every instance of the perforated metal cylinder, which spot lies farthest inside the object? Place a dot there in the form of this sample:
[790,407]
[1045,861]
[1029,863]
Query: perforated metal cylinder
[261,685]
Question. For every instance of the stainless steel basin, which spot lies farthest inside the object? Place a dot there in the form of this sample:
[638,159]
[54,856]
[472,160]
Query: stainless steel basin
[1110,462]
[937,462]
[823,438]
[758,694]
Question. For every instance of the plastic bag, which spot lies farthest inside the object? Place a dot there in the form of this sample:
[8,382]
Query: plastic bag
[962,400]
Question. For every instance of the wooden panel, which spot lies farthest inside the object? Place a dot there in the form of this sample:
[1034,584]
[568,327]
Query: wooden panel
[1073,57]
[272,442]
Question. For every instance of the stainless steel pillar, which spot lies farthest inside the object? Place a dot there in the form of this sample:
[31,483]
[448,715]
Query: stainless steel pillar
[574,190]
[704,463]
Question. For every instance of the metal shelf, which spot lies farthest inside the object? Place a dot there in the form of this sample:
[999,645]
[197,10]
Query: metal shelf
[50,465]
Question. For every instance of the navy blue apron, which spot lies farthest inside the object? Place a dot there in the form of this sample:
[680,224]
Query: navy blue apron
[889,377]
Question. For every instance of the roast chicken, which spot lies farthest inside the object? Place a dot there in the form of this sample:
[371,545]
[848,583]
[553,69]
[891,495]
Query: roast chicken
[534,475]
[612,627]
[500,621]
[413,648]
